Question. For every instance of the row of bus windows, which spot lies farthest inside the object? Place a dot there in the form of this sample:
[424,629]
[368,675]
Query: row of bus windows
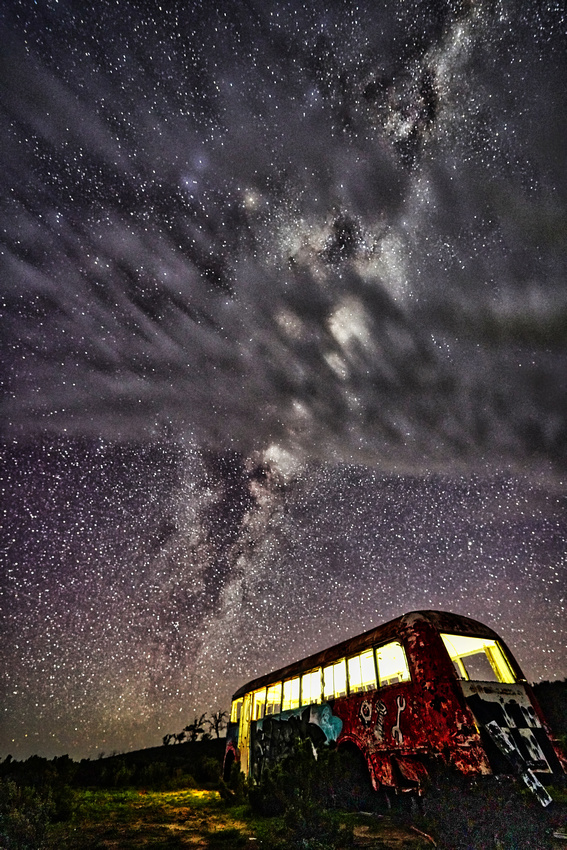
[382,666]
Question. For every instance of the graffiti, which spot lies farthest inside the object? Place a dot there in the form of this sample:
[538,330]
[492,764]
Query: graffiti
[365,712]
[379,728]
[274,738]
[323,716]
[397,733]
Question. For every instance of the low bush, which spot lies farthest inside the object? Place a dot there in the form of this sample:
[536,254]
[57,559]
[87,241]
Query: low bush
[488,812]
[24,817]
[302,789]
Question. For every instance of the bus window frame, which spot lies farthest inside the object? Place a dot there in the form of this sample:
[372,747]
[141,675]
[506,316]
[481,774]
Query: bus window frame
[310,673]
[278,704]
[387,684]
[291,707]
[257,702]
[331,666]
[370,651]
[501,667]
[236,709]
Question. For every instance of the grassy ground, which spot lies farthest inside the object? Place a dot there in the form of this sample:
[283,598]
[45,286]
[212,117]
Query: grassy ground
[128,819]
[153,819]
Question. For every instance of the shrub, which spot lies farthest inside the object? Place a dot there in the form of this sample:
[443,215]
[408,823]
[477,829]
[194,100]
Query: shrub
[227,837]
[487,812]
[301,788]
[210,769]
[24,817]
[327,777]
[235,790]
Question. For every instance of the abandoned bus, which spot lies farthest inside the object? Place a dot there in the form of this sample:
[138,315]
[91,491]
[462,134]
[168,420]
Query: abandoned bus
[426,687]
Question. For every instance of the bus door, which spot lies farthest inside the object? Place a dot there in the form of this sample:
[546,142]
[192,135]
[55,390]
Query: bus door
[510,707]
[244,734]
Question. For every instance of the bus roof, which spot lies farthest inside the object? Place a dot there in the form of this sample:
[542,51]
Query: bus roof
[441,620]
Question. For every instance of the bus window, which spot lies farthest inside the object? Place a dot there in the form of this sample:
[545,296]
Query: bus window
[311,687]
[290,694]
[361,672]
[479,659]
[334,680]
[235,710]
[274,699]
[392,664]
[258,704]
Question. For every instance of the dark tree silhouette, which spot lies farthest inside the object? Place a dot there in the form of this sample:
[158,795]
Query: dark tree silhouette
[166,739]
[196,728]
[217,722]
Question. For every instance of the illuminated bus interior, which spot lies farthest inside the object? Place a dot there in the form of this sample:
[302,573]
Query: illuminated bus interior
[478,659]
[361,672]
[274,699]
[335,680]
[392,664]
[311,687]
[291,689]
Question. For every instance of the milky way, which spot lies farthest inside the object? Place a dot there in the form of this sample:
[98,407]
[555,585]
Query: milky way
[283,344]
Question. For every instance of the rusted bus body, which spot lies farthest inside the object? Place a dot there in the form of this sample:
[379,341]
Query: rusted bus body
[409,700]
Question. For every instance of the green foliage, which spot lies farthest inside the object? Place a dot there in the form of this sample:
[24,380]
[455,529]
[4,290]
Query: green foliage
[49,779]
[310,827]
[236,790]
[302,788]
[230,837]
[129,818]
[117,775]
[24,817]
[153,775]
[210,770]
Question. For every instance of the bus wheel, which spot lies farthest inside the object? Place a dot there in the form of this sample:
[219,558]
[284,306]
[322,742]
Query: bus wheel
[356,791]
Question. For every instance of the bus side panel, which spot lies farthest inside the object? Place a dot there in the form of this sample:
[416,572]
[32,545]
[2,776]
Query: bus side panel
[402,727]
[392,728]
[273,737]
[554,743]
[456,711]
[450,731]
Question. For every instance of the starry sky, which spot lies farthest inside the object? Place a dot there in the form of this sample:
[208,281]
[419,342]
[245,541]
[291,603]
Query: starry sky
[283,344]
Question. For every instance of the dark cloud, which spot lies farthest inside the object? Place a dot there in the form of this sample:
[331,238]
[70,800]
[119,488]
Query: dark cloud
[348,189]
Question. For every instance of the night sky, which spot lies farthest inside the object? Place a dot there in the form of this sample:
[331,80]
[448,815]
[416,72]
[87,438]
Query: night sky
[283,344]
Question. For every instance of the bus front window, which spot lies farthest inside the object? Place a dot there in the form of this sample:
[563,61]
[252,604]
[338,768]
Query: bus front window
[478,659]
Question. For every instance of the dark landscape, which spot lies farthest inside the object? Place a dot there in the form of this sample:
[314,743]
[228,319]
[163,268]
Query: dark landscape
[174,796]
